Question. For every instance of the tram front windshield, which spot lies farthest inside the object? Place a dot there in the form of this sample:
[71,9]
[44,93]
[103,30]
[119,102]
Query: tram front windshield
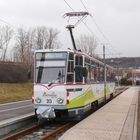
[50,67]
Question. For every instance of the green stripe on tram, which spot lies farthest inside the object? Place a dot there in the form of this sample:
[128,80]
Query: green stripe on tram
[82,100]
[85,98]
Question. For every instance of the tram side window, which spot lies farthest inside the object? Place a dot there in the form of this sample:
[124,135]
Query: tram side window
[112,76]
[70,71]
[101,74]
[71,56]
[88,77]
[98,72]
[95,74]
[107,74]
[92,74]
[79,61]
[88,67]
[78,69]
[93,71]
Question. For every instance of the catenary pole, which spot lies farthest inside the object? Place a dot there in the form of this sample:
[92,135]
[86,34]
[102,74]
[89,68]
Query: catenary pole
[104,73]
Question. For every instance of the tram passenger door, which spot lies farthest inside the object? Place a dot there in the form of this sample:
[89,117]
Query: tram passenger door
[78,69]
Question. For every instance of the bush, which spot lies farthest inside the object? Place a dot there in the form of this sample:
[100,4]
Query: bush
[13,73]
[125,82]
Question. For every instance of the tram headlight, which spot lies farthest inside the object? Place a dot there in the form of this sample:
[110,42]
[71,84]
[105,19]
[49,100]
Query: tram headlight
[60,100]
[38,100]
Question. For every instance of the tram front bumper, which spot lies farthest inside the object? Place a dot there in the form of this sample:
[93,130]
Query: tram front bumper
[45,112]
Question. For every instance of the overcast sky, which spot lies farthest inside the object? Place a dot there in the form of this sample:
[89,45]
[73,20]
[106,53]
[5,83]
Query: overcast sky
[119,20]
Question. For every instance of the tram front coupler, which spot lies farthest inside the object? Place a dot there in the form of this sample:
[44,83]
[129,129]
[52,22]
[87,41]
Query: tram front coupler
[46,113]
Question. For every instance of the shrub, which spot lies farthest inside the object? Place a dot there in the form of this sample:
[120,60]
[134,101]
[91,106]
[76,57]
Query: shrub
[125,82]
[13,73]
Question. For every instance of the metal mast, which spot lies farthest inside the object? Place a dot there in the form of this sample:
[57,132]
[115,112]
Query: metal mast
[70,27]
[104,73]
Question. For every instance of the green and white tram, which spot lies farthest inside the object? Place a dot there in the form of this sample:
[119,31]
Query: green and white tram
[68,83]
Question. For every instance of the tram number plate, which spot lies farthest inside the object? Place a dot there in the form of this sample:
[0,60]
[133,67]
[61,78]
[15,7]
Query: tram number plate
[49,101]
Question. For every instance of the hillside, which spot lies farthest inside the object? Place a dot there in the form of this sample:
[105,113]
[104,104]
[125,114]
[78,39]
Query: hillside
[124,62]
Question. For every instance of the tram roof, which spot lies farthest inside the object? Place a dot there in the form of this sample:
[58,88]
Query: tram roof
[54,50]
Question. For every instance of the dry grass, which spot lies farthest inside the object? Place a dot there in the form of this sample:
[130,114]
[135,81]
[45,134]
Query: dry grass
[15,92]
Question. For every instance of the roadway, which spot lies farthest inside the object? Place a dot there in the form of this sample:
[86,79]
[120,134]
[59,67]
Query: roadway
[15,109]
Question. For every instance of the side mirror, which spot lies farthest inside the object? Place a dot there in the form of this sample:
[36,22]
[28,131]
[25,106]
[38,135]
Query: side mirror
[84,72]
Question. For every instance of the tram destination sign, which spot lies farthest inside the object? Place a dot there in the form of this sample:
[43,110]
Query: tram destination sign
[51,55]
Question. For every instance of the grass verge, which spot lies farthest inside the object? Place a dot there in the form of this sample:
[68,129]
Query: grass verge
[15,92]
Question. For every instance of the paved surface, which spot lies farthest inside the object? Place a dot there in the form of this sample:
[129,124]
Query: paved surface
[15,109]
[115,121]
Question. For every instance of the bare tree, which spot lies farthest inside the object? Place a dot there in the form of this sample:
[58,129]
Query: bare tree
[21,43]
[35,38]
[41,37]
[46,38]
[87,44]
[28,51]
[52,38]
[6,34]
[23,51]
[24,45]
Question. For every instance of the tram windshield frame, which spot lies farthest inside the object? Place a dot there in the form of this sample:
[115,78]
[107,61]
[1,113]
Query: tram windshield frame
[50,67]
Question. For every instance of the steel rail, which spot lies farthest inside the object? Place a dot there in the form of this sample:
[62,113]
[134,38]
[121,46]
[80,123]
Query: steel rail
[120,90]
[23,132]
[30,130]
[57,132]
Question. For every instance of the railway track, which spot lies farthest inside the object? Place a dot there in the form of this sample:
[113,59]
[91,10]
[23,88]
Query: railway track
[49,130]
[119,90]
[41,132]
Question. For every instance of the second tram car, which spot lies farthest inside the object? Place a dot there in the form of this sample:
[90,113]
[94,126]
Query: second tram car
[68,83]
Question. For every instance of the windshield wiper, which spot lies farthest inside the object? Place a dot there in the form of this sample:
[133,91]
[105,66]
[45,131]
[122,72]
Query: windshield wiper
[53,82]
[58,78]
